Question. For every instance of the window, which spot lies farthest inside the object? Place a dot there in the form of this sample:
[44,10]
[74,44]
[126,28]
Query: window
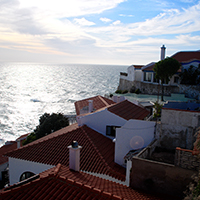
[147,76]
[154,78]
[176,79]
[26,175]
[111,130]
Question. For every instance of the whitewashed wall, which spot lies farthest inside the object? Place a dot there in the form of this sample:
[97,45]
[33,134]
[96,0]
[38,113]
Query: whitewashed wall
[135,134]
[17,167]
[138,75]
[131,73]
[99,120]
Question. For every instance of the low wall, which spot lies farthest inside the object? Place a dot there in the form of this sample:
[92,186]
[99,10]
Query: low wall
[192,91]
[146,152]
[146,88]
[157,177]
[172,136]
[184,158]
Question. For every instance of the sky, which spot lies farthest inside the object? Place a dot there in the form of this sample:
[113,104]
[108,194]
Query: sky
[122,32]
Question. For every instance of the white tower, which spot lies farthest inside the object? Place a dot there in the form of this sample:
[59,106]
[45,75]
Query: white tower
[162,55]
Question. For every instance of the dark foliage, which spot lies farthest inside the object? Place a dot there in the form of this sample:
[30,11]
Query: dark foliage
[191,76]
[165,69]
[48,124]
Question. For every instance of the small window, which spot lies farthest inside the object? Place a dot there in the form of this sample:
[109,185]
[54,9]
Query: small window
[147,76]
[111,130]
[26,175]
[176,79]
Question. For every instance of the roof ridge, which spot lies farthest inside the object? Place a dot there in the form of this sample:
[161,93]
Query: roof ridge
[43,139]
[101,98]
[57,169]
[94,146]
[110,169]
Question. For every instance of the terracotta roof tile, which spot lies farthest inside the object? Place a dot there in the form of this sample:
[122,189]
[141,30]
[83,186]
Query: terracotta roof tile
[98,103]
[128,110]
[97,153]
[49,186]
[182,57]
[186,56]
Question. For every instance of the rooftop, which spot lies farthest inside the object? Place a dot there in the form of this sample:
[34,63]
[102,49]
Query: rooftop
[182,57]
[97,153]
[61,183]
[128,110]
[98,103]
[10,145]
[186,56]
[186,106]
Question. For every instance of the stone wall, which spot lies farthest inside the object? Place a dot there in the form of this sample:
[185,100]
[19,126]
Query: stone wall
[146,88]
[192,91]
[184,158]
[125,84]
[157,177]
[172,136]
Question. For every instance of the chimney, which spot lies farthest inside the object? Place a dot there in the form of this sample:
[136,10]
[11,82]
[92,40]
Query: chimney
[18,144]
[74,156]
[162,55]
[90,106]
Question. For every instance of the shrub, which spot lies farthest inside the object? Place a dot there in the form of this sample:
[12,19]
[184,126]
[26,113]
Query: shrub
[124,91]
[118,91]
[137,91]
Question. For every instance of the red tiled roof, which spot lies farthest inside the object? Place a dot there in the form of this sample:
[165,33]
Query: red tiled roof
[128,110]
[98,103]
[12,145]
[182,56]
[6,148]
[150,67]
[22,137]
[62,183]
[138,66]
[186,56]
[97,153]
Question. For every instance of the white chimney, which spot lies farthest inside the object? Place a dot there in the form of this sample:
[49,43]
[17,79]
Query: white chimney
[18,144]
[90,106]
[74,156]
[162,55]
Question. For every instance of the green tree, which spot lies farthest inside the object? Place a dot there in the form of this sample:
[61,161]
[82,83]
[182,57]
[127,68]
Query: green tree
[164,70]
[47,124]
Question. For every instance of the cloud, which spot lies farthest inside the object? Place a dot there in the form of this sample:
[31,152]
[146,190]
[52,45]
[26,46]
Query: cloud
[116,22]
[104,19]
[62,28]
[73,8]
[83,22]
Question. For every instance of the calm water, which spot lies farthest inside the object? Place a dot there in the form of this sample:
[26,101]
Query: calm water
[29,90]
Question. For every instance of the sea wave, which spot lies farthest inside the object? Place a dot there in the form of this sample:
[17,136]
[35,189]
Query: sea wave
[29,90]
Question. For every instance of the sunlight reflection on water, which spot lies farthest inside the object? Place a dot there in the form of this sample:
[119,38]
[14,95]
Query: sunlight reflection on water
[29,90]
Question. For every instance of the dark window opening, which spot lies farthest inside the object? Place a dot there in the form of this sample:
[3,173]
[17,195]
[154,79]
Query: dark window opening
[111,130]
[147,76]
[26,175]
[176,79]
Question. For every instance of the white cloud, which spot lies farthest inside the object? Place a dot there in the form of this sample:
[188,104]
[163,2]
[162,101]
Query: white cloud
[83,22]
[46,27]
[66,8]
[116,22]
[104,19]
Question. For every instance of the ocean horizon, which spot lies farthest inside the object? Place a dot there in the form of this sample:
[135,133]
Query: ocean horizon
[28,90]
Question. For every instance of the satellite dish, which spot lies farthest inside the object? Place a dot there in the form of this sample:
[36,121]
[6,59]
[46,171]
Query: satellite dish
[137,142]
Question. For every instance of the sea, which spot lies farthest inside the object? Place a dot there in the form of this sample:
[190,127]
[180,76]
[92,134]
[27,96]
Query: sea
[28,90]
